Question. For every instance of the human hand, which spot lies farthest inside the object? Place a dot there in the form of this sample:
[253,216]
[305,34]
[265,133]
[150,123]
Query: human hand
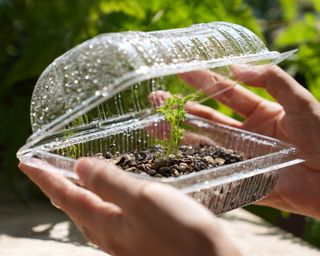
[294,119]
[127,216]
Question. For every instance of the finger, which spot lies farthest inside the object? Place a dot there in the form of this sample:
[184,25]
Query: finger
[157,98]
[109,182]
[98,220]
[190,138]
[159,130]
[77,202]
[210,114]
[287,91]
[226,91]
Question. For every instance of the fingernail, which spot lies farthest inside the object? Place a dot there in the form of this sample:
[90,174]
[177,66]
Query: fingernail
[83,168]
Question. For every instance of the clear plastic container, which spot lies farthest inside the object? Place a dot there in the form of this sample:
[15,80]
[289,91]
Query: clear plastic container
[94,99]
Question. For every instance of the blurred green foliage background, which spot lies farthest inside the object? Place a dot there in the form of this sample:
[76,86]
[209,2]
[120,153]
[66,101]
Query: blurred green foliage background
[34,32]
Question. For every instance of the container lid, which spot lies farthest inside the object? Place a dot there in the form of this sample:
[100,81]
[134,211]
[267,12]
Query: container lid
[100,68]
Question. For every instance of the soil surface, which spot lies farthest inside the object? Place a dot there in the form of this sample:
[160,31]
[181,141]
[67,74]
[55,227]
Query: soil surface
[189,159]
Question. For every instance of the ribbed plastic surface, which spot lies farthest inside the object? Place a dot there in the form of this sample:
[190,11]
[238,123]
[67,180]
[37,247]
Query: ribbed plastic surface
[94,99]
[105,62]
[220,189]
[104,66]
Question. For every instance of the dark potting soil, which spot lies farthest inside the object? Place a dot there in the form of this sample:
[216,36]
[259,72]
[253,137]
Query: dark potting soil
[189,159]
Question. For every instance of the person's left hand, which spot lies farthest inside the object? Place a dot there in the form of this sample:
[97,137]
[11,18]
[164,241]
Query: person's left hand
[127,216]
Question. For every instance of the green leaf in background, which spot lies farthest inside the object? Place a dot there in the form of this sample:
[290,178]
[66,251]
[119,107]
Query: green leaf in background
[298,32]
[304,34]
[130,8]
[35,32]
[290,9]
[309,64]
[38,31]
[312,230]
[297,27]
[316,4]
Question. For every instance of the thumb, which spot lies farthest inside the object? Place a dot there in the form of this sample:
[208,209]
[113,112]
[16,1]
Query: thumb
[108,181]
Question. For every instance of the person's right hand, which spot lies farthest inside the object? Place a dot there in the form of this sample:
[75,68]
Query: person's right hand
[294,119]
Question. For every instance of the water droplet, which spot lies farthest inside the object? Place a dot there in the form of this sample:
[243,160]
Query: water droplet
[78,74]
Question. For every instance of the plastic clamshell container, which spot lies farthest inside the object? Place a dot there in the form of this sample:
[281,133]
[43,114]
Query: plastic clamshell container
[94,99]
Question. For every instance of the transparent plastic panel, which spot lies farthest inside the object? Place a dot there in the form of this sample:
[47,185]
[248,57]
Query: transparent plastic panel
[260,153]
[137,101]
[220,189]
[101,97]
[104,66]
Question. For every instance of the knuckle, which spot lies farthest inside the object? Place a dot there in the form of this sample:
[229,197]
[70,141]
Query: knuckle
[149,190]
[273,70]
[214,79]
[63,197]
[97,176]
[207,114]
[146,190]
[107,213]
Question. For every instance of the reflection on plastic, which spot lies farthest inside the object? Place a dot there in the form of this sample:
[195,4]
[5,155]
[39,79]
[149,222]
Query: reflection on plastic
[95,98]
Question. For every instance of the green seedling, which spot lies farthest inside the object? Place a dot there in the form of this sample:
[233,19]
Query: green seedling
[174,112]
